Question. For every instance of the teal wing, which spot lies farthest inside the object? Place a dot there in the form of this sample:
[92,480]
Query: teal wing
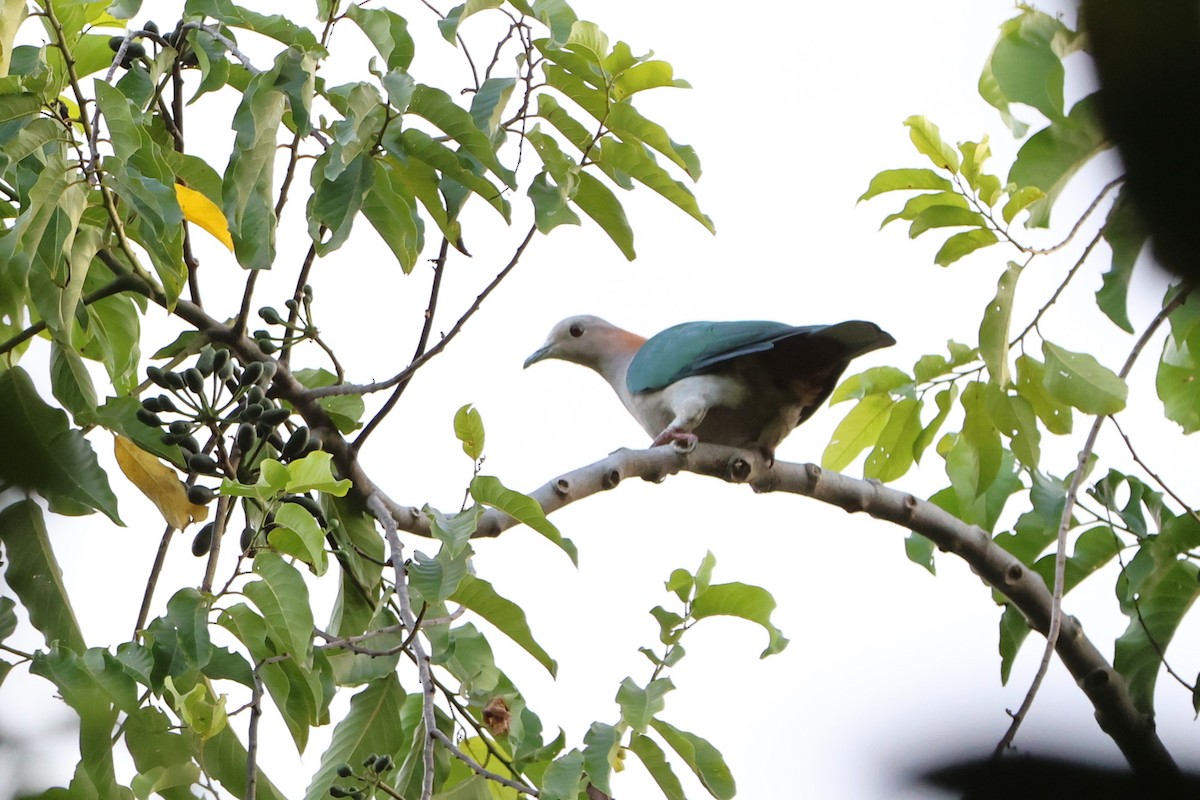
[693,348]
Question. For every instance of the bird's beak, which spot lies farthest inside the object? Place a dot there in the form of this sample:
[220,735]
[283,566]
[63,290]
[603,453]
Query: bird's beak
[541,354]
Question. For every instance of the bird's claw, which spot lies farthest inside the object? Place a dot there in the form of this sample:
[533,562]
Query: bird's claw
[684,441]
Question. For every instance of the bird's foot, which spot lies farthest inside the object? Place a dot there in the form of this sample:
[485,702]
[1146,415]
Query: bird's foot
[684,441]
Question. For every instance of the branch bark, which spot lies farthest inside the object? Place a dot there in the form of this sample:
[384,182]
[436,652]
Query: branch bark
[1132,731]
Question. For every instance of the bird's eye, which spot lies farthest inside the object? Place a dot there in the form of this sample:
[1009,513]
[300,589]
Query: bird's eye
[576,330]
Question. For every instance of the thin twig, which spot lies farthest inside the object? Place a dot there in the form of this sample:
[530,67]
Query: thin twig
[479,770]
[122,283]
[439,266]
[1137,608]
[1064,526]
[160,558]
[1108,187]
[407,372]
[252,735]
[1191,512]
[382,511]
[1087,251]
[285,354]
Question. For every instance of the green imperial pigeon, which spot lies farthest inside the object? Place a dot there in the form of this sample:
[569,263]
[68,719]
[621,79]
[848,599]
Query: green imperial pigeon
[742,384]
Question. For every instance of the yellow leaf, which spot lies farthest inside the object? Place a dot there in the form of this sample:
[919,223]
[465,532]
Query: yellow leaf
[158,482]
[199,209]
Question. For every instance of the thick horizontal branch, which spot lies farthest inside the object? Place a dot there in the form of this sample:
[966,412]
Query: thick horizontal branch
[1133,731]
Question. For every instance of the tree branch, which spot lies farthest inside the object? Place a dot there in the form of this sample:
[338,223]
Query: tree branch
[1064,526]
[417,363]
[1133,731]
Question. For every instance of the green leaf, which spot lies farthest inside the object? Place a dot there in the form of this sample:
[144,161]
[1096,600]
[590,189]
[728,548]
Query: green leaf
[873,381]
[751,603]
[598,202]
[391,209]
[70,381]
[1054,414]
[630,126]
[976,457]
[299,535]
[274,26]
[994,329]
[681,584]
[314,472]
[468,427]
[1178,385]
[114,328]
[638,705]
[97,716]
[1037,527]
[282,597]
[449,24]
[1020,200]
[436,106]
[205,717]
[344,410]
[1126,236]
[33,574]
[859,430]
[479,596]
[894,449]
[701,757]
[1052,156]
[901,180]
[945,401]
[1155,611]
[43,454]
[248,189]
[637,162]
[928,141]
[334,204]
[655,762]
[668,624]
[1013,632]
[8,619]
[179,640]
[966,499]
[372,725]
[388,31]
[645,75]
[563,778]
[601,743]
[961,244]
[436,579]
[550,207]
[922,202]
[1025,65]
[456,167]
[225,760]
[488,104]
[919,550]
[1082,382]
[944,216]
[1178,378]
[974,154]
[489,491]
[929,367]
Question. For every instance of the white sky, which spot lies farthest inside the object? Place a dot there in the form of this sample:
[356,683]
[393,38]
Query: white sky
[794,108]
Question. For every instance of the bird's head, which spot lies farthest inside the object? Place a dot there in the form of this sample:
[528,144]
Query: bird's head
[591,342]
